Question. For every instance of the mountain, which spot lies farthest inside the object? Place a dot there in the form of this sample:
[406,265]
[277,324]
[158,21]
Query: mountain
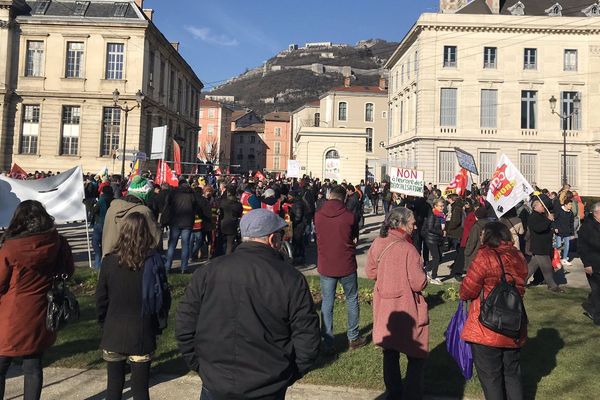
[300,74]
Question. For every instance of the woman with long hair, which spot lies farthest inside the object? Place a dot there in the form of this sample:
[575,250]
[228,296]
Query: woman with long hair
[433,233]
[400,316]
[31,254]
[132,300]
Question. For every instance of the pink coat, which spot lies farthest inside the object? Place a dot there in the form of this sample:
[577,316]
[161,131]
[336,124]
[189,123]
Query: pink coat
[400,316]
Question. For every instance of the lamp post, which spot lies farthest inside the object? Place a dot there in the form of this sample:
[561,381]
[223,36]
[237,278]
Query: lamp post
[564,118]
[139,97]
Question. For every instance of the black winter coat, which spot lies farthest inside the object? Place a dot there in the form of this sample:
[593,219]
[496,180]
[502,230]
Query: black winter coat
[432,231]
[564,221]
[247,324]
[119,308]
[540,234]
[182,207]
[298,212]
[231,211]
[589,243]
[204,210]
[454,224]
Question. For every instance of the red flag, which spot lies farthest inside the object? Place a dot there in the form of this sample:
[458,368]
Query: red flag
[177,157]
[164,174]
[260,176]
[459,183]
[17,172]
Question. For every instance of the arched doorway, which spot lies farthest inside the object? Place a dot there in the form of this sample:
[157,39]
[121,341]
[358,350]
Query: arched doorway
[332,165]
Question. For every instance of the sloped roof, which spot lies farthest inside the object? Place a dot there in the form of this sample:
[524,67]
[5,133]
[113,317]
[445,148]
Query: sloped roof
[209,103]
[570,8]
[475,7]
[96,9]
[238,114]
[277,116]
[251,128]
[360,89]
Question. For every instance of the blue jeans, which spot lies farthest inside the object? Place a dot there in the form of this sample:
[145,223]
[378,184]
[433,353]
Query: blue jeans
[97,244]
[174,234]
[350,285]
[566,241]
[196,242]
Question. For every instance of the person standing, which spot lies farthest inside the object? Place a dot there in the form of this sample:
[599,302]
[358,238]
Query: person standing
[400,316]
[433,235]
[264,330]
[496,356]
[454,223]
[514,225]
[589,250]
[353,204]
[564,229]
[182,208]
[100,210]
[132,301]
[336,261]
[230,212]
[297,213]
[31,254]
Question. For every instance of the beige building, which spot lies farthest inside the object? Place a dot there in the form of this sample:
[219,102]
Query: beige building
[480,79]
[64,59]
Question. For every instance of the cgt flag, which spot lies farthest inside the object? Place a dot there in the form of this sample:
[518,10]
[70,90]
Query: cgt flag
[508,187]
[459,183]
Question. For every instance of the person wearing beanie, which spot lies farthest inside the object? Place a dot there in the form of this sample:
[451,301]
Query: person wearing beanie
[141,188]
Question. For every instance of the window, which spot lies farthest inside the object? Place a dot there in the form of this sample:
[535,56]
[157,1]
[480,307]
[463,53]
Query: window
[402,75]
[369,140]
[396,80]
[566,108]
[277,131]
[487,165]
[41,7]
[111,130]
[74,60]
[35,58]
[402,116]
[416,63]
[450,56]
[151,60]
[317,119]
[115,58]
[210,129]
[277,148]
[241,141]
[489,57]
[276,163]
[162,79]
[332,154]
[530,59]
[252,139]
[179,95]
[571,169]
[81,8]
[528,109]
[30,129]
[446,166]
[70,130]
[240,156]
[570,60]
[252,150]
[529,167]
[448,107]
[342,111]
[369,112]
[172,86]
[211,113]
[489,108]
[408,69]
[120,9]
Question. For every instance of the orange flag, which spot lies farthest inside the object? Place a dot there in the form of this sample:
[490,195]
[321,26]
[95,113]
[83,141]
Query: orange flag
[177,157]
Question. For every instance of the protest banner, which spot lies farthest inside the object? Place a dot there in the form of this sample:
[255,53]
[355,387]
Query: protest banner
[466,161]
[508,187]
[293,169]
[458,184]
[332,169]
[407,181]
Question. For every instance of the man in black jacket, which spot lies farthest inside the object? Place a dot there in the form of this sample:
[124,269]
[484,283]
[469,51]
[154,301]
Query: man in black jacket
[182,208]
[589,251]
[540,233]
[297,212]
[230,212]
[247,323]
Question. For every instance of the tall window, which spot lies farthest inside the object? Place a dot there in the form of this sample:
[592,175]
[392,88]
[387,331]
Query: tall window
[487,165]
[566,108]
[276,163]
[179,95]
[530,59]
[115,59]
[369,112]
[252,139]
[74,67]
[402,75]
[342,111]
[489,108]
[448,107]
[416,63]
[450,56]
[210,129]
[34,60]
[529,166]
[211,113]
[111,130]
[570,60]
[528,109]
[369,140]
[162,79]
[571,169]
[70,130]
[317,119]
[446,166]
[277,148]
[241,140]
[408,69]
[277,131]
[151,64]
[401,116]
[489,57]
[30,129]
[172,86]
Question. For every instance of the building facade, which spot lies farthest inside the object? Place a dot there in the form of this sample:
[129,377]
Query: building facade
[480,79]
[248,148]
[214,139]
[65,59]
[278,141]
[309,115]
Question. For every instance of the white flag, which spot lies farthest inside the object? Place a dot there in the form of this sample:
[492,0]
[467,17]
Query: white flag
[508,187]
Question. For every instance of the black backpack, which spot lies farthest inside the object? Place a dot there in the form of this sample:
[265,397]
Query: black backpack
[503,310]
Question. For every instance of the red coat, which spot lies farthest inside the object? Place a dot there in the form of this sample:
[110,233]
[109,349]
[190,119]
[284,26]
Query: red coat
[467,226]
[27,264]
[485,272]
[335,245]
[400,316]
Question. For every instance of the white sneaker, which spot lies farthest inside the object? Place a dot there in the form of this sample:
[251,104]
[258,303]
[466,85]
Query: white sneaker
[435,281]
[566,263]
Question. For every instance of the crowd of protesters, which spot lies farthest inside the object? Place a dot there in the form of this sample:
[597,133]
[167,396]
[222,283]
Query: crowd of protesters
[247,323]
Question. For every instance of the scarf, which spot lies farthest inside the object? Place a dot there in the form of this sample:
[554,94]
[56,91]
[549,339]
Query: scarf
[440,215]
[153,283]
[406,236]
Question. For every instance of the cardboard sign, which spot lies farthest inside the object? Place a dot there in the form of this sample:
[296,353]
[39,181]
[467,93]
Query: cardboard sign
[466,161]
[159,143]
[293,169]
[332,169]
[407,181]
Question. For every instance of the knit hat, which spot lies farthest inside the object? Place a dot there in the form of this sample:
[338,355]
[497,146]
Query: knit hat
[140,188]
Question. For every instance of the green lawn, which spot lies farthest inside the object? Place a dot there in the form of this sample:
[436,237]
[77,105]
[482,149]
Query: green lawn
[559,361]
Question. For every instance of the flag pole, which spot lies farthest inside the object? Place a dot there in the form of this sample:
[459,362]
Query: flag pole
[87,237]
[541,201]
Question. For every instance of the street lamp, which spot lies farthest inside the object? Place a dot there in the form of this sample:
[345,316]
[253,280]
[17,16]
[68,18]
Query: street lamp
[563,118]
[139,97]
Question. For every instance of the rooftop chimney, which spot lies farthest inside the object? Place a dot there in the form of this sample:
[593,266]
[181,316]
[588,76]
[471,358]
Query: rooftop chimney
[382,83]
[140,4]
[149,13]
[494,6]
[347,81]
[450,6]
[175,45]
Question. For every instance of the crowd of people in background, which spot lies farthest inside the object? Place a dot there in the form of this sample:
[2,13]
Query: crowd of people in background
[240,224]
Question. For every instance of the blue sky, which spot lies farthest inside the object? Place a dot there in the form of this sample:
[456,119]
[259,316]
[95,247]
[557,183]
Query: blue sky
[220,39]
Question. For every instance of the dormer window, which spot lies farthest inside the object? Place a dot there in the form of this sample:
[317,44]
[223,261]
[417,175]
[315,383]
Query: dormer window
[592,11]
[517,9]
[554,11]
[120,9]
[41,7]
[81,8]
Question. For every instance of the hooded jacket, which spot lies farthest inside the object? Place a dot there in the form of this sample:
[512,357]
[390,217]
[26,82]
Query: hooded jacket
[27,265]
[336,249]
[118,210]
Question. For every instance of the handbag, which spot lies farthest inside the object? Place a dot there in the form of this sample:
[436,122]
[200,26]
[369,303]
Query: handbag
[556,264]
[458,348]
[62,307]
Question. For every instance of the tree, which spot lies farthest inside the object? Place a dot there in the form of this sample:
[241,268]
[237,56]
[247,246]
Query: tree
[209,150]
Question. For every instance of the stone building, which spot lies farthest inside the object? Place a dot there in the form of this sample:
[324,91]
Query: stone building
[480,79]
[60,63]
[214,139]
